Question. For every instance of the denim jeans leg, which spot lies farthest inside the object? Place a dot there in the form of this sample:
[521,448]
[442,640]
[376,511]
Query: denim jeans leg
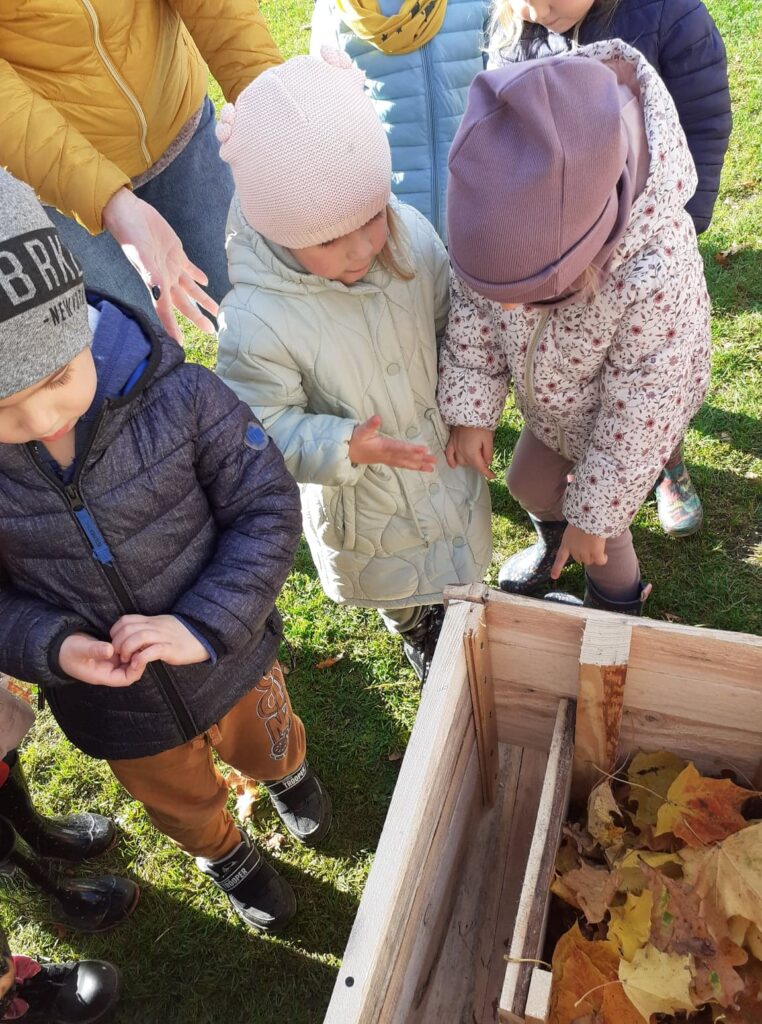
[193,194]
[104,265]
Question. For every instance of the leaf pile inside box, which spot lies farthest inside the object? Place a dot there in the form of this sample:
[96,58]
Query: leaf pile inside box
[666,875]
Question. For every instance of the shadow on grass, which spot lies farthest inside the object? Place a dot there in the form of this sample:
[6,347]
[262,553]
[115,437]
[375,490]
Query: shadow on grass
[735,282]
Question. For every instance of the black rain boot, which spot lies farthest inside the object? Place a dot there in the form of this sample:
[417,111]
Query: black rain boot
[302,805]
[83,904]
[258,894]
[71,993]
[594,599]
[529,569]
[75,837]
[420,642]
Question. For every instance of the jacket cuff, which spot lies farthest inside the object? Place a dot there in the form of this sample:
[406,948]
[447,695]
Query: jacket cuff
[204,635]
[203,640]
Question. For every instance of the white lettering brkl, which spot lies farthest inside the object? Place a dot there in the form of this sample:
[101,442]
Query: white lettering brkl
[35,270]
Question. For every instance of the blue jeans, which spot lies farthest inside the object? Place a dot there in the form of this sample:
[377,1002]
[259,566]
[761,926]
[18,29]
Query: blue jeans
[193,194]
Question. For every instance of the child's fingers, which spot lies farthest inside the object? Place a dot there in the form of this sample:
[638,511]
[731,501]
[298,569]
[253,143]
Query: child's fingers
[99,650]
[561,559]
[372,425]
[450,456]
[136,641]
[156,652]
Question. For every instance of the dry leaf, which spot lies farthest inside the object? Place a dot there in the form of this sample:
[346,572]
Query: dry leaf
[677,922]
[604,817]
[274,841]
[630,868]
[650,777]
[630,925]
[330,662]
[246,793]
[748,1008]
[396,755]
[716,979]
[729,874]
[592,890]
[700,810]
[585,984]
[657,982]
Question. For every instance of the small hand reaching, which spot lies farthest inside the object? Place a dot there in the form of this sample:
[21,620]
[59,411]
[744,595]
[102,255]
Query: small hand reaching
[140,639]
[471,446]
[583,547]
[95,662]
[367,446]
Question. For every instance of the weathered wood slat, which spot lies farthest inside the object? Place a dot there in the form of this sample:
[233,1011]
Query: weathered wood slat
[482,698]
[531,919]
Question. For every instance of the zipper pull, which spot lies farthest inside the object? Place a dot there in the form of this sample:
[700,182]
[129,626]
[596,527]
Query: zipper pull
[73,497]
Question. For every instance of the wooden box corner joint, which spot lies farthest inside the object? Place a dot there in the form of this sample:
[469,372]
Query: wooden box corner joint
[482,699]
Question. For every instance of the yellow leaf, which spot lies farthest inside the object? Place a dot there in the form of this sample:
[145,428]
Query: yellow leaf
[754,941]
[650,776]
[700,810]
[630,867]
[630,925]
[657,982]
[729,874]
[603,817]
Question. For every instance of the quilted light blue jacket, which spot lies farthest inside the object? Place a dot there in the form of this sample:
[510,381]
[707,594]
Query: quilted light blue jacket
[313,358]
[420,97]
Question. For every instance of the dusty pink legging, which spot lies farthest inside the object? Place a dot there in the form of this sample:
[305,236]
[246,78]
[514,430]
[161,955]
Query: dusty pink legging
[537,480]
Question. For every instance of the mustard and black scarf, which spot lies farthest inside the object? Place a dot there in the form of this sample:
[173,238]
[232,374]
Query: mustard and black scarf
[416,23]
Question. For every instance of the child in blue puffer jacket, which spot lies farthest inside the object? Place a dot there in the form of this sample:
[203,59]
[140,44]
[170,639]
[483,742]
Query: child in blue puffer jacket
[147,525]
[680,40]
[419,60]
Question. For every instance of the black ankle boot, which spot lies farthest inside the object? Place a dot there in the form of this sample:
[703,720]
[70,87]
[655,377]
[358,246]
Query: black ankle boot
[258,894]
[71,993]
[75,837]
[594,599]
[420,642]
[302,804]
[83,904]
[528,570]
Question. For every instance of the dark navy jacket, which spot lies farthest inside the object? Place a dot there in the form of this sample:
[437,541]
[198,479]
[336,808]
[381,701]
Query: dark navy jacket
[178,504]
[679,38]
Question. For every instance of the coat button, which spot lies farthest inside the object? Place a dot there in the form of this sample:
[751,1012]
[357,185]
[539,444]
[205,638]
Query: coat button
[458,542]
[411,432]
[393,369]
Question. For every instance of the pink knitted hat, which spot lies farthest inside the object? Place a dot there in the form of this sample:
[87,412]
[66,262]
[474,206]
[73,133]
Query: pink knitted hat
[310,159]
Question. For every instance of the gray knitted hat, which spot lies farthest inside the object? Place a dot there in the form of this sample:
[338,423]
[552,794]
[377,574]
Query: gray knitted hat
[43,311]
[538,186]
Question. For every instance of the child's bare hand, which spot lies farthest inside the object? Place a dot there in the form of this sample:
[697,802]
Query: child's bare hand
[471,446]
[582,547]
[367,446]
[95,662]
[140,639]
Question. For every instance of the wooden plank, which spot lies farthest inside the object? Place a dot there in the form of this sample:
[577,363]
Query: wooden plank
[414,814]
[482,698]
[436,891]
[600,701]
[531,919]
[512,852]
[538,1000]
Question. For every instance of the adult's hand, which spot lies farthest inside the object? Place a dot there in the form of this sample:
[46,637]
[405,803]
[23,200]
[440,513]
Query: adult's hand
[155,251]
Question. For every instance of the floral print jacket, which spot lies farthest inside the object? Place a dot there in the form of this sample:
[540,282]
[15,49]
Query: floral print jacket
[610,382]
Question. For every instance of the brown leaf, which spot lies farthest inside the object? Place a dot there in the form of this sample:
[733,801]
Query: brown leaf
[729,875]
[274,841]
[592,890]
[716,978]
[246,793]
[701,811]
[330,662]
[604,817]
[396,755]
[748,1008]
[677,922]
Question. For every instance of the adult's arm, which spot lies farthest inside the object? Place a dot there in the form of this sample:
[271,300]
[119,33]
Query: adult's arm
[233,38]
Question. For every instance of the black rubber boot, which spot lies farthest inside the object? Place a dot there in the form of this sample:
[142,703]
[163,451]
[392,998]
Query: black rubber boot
[258,894]
[420,642]
[72,993]
[76,837]
[302,804]
[528,570]
[83,904]
[594,599]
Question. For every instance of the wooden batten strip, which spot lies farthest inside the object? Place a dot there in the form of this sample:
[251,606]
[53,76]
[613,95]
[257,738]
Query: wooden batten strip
[531,919]
[600,700]
[538,1000]
[483,699]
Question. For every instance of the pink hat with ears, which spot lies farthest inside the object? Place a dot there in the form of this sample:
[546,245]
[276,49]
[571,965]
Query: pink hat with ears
[309,157]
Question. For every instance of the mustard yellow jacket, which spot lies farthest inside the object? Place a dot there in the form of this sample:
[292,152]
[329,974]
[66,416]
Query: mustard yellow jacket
[92,92]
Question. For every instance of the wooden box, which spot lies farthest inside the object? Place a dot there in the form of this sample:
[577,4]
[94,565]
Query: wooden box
[455,906]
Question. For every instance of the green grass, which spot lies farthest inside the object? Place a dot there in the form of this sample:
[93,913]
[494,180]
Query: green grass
[184,956]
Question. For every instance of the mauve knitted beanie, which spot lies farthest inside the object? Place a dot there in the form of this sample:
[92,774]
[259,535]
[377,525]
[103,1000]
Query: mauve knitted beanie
[532,194]
[310,158]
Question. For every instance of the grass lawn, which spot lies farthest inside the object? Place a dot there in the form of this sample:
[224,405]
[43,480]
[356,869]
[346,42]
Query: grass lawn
[185,957]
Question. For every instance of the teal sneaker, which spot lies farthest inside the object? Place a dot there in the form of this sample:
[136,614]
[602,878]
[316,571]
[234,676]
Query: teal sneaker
[680,511]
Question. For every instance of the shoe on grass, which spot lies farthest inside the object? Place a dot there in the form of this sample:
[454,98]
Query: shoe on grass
[302,804]
[680,511]
[70,993]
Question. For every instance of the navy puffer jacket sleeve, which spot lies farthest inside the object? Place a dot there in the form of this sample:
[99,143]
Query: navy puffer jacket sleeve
[255,504]
[694,69]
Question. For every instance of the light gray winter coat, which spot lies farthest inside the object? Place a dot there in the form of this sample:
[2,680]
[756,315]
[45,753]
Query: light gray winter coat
[314,358]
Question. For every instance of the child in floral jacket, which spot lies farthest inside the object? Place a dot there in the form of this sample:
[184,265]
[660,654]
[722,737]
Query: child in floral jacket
[579,279]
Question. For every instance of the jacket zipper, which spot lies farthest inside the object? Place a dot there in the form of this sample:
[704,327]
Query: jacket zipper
[120,82]
[103,556]
[529,361]
[426,63]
